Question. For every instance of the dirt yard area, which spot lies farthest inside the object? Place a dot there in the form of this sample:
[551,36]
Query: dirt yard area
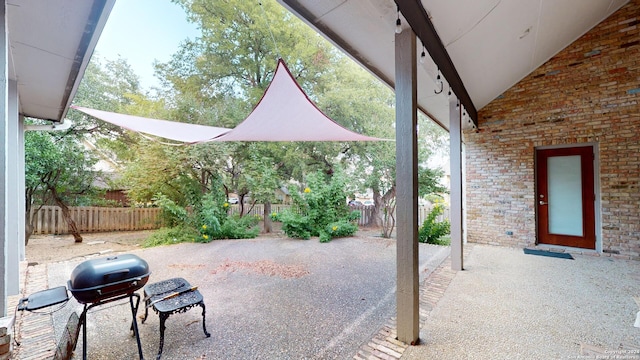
[53,248]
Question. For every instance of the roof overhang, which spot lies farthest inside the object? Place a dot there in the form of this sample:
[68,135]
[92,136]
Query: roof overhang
[492,44]
[50,45]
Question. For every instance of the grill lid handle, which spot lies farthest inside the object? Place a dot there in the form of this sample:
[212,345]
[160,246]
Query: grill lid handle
[117,273]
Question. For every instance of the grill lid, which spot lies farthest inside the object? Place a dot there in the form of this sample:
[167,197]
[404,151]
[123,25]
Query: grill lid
[96,273]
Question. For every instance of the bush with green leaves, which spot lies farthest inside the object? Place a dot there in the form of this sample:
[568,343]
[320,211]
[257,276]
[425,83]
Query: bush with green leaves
[236,227]
[207,220]
[216,223]
[319,208]
[171,214]
[336,229]
[212,213]
[172,235]
[433,231]
[294,225]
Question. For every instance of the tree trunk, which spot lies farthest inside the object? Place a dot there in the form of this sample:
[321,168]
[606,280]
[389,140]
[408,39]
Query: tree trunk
[73,228]
[267,218]
[378,207]
[28,230]
[28,216]
[389,220]
[241,204]
[380,202]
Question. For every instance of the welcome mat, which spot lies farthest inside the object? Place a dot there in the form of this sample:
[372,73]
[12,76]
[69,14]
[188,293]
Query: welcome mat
[548,253]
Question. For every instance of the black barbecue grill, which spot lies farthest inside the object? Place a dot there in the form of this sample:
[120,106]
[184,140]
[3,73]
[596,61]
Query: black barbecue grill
[99,281]
[96,282]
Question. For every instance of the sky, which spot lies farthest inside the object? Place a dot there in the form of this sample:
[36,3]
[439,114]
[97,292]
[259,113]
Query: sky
[142,31]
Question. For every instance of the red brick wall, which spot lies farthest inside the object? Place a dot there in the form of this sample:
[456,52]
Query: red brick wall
[589,92]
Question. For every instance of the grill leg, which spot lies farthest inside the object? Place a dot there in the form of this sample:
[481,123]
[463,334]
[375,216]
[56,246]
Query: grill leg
[83,323]
[163,318]
[146,310]
[204,325]
[134,310]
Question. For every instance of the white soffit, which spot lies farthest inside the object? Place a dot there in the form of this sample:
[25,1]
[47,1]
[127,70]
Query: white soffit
[496,43]
[365,31]
[51,43]
[492,43]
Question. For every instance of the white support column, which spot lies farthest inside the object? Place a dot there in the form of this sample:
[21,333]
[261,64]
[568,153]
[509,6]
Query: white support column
[21,190]
[455,133]
[4,168]
[13,197]
[407,293]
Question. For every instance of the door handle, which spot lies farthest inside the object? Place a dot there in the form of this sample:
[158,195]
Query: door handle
[543,202]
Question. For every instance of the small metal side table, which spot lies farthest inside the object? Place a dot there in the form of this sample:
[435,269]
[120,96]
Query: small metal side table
[185,300]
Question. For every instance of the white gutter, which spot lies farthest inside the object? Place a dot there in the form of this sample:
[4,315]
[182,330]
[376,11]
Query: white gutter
[51,127]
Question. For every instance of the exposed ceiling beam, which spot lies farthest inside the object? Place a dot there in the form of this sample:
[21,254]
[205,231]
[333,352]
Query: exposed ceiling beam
[298,8]
[419,21]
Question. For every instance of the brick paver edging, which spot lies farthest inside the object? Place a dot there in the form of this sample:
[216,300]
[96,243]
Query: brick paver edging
[34,331]
[384,344]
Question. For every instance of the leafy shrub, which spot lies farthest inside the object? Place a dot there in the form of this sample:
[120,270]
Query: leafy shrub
[354,216]
[236,227]
[207,221]
[217,224]
[320,206]
[212,213]
[432,231]
[295,225]
[340,228]
[173,235]
[171,214]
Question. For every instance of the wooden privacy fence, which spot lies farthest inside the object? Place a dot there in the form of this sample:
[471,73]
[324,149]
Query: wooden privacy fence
[49,220]
[365,212]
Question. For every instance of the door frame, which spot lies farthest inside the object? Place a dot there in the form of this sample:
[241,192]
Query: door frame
[596,188]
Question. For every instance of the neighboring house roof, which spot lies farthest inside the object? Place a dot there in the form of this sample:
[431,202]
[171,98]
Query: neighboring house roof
[109,168]
[50,44]
[105,162]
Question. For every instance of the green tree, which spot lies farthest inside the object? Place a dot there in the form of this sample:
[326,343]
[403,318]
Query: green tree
[367,106]
[228,68]
[58,170]
[238,49]
[162,169]
[109,85]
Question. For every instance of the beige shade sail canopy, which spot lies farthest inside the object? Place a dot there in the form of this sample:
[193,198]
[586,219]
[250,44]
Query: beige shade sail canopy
[285,113]
[173,130]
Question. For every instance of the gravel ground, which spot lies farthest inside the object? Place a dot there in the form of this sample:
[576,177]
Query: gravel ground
[508,305]
[266,298]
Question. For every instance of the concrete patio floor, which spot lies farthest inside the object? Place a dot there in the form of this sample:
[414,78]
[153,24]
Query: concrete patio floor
[267,298]
[508,305]
[292,299]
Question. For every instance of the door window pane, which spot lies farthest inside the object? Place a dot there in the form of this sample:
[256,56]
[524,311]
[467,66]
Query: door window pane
[565,195]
